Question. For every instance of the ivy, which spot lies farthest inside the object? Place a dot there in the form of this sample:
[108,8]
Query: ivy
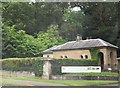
[94,53]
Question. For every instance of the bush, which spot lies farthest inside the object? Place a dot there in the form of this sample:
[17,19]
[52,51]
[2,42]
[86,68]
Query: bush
[56,64]
[23,64]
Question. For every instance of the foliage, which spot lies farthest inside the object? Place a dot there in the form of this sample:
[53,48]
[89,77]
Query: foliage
[72,25]
[101,20]
[23,64]
[33,17]
[94,53]
[19,44]
[56,64]
[20,14]
[50,37]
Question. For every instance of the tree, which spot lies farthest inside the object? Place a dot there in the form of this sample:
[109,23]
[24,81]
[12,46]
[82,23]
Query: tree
[50,37]
[101,21]
[72,24]
[19,14]
[19,44]
[34,17]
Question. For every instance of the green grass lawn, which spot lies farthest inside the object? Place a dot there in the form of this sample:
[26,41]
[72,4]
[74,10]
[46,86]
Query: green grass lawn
[82,82]
[66,82]
[94,74]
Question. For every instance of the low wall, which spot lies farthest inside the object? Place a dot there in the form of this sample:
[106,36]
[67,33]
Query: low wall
[59,77]
[17,73]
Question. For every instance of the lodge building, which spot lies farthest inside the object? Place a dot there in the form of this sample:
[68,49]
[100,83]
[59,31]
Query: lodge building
[81,49]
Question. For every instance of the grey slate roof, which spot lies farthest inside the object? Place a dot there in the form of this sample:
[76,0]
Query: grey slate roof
[80,45]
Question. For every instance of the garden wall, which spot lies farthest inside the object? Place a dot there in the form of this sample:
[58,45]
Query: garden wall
[17,73]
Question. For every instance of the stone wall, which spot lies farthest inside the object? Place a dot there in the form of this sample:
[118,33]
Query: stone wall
[17,73]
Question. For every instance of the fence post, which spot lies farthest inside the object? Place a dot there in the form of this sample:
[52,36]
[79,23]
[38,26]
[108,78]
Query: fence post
[46,69]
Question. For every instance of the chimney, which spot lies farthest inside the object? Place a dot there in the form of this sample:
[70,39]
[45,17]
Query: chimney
[78,37]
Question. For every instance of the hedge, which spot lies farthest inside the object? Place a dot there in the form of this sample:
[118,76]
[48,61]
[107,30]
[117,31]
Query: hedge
[36,64]
[23,64]
[56,64]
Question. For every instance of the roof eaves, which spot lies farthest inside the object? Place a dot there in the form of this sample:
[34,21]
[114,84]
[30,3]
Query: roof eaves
[107,43]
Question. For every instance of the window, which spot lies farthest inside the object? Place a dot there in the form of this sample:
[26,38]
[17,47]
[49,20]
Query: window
[81,56]
[61,56]
[66,57]
[111,55]
[86,56]
[47,55]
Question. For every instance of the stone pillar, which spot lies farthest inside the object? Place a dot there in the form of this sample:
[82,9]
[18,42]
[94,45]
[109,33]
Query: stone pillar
[46,69]
[119,70]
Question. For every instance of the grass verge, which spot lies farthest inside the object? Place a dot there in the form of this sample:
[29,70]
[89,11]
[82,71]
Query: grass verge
[65,82]
[94,74]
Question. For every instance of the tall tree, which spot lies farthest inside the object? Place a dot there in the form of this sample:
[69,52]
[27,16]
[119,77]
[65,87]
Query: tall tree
[34,17]
[48,13]
[50,37]
[19,14]
[19,44]
[72,24]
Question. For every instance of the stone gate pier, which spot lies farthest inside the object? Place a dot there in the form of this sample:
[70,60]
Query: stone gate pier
[46,68]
